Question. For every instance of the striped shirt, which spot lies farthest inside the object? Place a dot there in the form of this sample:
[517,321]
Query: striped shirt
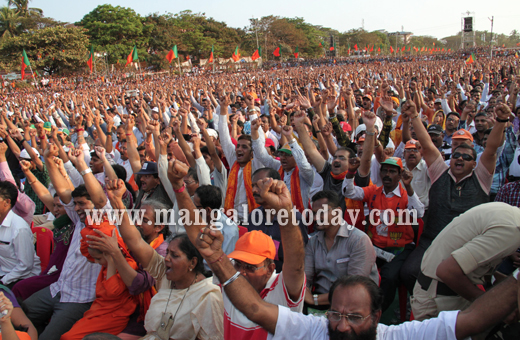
[77,282]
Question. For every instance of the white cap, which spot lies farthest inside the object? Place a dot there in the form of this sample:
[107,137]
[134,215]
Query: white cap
[212,133]
[25,155]
[155,109]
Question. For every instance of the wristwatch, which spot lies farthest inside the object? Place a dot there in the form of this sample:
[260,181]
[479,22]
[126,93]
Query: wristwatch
[315,297]
[86,171]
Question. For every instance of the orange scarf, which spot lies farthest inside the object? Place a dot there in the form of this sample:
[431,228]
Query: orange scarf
[296,192]
[231,191]
[157,242]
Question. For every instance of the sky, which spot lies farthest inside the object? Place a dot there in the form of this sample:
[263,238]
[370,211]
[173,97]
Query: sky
[440,18]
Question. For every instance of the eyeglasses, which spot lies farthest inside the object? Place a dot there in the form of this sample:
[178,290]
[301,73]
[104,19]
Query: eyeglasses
[353,319]
[464,156]
[248,268]
[189,182]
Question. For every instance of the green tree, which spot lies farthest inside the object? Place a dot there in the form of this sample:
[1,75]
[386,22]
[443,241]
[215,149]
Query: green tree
[9,22]
[23,9]
[116,30]
[54,50]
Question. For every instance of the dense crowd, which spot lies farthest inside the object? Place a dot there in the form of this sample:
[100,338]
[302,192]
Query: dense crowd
[236,205]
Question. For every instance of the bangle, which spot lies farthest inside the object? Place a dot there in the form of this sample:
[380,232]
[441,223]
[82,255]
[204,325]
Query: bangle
[502,120]
[41,137]
[86,171]
[218,260]
[318,131]
[31,183]
[315,297]
[181,189]
[231,279]
[128,134]
[416,116]
[79,130]
[351,172]
[370,133]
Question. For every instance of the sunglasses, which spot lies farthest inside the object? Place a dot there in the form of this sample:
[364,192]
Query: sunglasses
[464,156]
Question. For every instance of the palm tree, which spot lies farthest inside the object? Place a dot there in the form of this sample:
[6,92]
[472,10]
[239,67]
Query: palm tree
[9,22]
[23,9]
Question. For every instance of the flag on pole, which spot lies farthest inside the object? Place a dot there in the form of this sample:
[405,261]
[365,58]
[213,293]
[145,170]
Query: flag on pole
[25,63]
[355,47]
[296,52]
[90,58]
[211,55]
[403,49]
[470,60]
[349,49]
[333,47]
[276,52]
[391,49]
[379,48]
[132,56]
[257,54]
[322,43]
[172,54]
[372,48]
[236,55]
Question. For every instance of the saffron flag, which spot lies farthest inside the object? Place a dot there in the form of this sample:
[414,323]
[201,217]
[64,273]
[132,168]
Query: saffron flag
[379,48]
[372,48]
[276,52]
[211,55]
[257,54]
[470,60]
[25,63]
[172,54]
[403,49]
[355,47]
[391,49]
[348,48]
[296,52]
[333,47]
[90,58]
[236,55]
[132,56]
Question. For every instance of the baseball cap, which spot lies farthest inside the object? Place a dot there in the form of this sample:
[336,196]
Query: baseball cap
[149,168]
[345,126]
[269,142]
[395,100]
[435,129]
[25,155]
[395,161]
[253,248]
[462,134]
[411,144]
[212,133]
[367,96]
[47,126]
[287,149]
[438,101]
[361,139]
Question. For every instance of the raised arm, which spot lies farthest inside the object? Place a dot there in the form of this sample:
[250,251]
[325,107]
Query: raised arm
[495,139]
[430,152]
[93,186]
[310,149]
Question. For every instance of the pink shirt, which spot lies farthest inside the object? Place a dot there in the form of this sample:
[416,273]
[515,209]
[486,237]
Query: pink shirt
[24,206]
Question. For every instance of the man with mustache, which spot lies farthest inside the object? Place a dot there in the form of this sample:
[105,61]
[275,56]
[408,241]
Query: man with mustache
[391,235]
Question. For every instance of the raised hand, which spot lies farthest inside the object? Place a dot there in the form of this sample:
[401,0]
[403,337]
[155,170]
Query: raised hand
[406,177]
[353,164]
[51,151]
[25,165]
[176,172]
[287,131]
[115,189]
[6,305]
[387,105]
[100,152]
[275,194]
[209,243]
[409,109]
[3,148]
[106,244]
[503,112]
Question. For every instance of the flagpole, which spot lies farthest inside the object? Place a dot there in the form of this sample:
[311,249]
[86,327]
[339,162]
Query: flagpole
[30,67]
[94,60]
[179,64]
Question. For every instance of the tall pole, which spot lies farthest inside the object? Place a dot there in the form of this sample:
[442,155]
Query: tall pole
[256,31]
[179,64]
[36,81]
[491,40]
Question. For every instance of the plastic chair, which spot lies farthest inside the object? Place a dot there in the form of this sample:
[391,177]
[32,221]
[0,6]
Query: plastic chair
[402,291]
[44,244]
[241,231]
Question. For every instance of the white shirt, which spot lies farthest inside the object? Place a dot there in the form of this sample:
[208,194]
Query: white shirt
[18,259]
[128,167]
[296,326]
[77,281]
[421,182]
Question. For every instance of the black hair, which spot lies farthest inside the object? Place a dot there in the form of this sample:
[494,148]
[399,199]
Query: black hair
[121,174]
[333,199]
[189,249]
[246,137]
[205,150]
[376,294]
[464,146]
[480,114]
[210,196]
[269,173]
[454,114]
[81,191]
[193,174]
[351,152]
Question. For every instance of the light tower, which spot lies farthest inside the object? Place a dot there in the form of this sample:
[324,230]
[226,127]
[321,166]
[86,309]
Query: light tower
[467,32]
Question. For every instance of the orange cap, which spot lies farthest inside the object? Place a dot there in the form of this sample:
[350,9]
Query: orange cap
[367,96]
[411,144]
[395,100]
[462,134]
[253,248]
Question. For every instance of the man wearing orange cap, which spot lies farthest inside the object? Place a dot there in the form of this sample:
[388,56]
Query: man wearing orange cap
[462,185]
[392,237]
[253,256]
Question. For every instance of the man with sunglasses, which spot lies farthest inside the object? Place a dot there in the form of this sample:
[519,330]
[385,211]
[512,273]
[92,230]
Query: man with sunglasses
[456,188]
